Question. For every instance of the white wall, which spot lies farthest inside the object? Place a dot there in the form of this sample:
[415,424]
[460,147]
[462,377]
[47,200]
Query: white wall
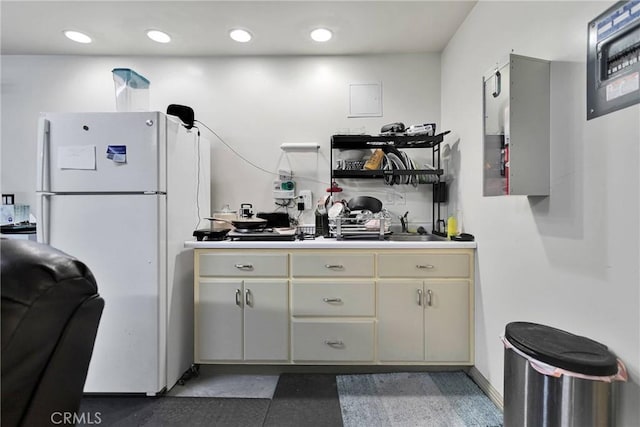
[253,103]
[569,260]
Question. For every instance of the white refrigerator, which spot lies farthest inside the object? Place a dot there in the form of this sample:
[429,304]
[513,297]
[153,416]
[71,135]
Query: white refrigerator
[122,192]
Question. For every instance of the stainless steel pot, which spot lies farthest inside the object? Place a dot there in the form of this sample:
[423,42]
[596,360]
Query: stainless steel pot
[246,210]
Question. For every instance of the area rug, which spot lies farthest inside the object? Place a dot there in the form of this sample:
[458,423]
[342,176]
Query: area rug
[168,411]
[447,399]
[227,385]
[305,400]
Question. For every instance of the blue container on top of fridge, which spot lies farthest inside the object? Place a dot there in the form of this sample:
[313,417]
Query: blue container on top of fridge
[132,90]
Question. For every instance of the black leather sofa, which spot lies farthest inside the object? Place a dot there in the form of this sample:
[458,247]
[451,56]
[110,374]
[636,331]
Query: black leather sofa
[50,315]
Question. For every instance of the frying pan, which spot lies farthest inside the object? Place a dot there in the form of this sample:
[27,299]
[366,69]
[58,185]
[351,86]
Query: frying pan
[365,202]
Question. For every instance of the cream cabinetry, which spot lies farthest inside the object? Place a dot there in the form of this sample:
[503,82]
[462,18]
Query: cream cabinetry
[334,340]
[425,307]
[332,264]
[241,318]
[420,265]
[424,320]
[335,306]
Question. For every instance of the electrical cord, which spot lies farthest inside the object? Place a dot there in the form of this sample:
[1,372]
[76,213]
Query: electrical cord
[249,161]
[284,205]
[234,151]
[199,217]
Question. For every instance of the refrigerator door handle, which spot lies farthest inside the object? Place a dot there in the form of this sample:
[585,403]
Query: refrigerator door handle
[42,230]
[42,181]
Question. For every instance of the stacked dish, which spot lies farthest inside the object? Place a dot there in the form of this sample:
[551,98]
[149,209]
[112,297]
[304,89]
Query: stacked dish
[400,161]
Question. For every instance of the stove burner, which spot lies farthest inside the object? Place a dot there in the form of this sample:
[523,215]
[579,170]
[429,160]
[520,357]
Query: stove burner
[265,234]
[253,230]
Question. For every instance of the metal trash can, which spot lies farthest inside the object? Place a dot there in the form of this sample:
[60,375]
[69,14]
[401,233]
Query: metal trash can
[554,378]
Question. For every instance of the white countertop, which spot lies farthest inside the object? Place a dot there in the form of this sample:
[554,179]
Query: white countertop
[322,243]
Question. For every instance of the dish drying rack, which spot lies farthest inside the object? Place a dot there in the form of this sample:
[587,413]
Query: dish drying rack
[353,228]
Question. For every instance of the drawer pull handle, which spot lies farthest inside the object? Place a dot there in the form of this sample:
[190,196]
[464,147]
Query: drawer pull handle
[334,266]
[248,298]
[244,266]
[238,298]
[429,298]
[426,267]
[332,300]
[419,296]
[334,343]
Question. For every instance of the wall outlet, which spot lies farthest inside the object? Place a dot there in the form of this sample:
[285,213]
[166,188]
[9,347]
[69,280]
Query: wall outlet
[306,197]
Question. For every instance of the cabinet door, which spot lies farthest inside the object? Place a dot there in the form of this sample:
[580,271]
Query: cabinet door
[219,320]
[446,321]
[266,320]
[400,320]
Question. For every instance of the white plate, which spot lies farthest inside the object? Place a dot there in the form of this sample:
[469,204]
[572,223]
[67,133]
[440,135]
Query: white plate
[409,164]
[414,178]
[397,164]
[386,165]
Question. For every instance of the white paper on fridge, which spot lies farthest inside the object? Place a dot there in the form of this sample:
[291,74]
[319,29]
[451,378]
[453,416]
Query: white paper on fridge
[77,157]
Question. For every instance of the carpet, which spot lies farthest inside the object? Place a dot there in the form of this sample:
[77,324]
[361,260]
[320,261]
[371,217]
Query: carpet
[305,400]
[222,385]
[167,411]
[447,399]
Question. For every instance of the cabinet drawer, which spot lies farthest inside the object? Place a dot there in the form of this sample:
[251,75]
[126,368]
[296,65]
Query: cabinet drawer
[327,265]
[333,298]
[332,341]
[423,265]
[243,265]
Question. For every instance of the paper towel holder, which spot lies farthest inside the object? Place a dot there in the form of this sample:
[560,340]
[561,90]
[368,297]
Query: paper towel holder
[299,146]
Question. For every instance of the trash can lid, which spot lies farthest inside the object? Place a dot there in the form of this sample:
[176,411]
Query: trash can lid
[562,349]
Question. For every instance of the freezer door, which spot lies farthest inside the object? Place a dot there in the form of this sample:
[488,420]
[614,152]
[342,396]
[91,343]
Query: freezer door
[120,238]
[100,152]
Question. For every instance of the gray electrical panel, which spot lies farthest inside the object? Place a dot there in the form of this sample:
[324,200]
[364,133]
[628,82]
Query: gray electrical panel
[516,107]
[613,59]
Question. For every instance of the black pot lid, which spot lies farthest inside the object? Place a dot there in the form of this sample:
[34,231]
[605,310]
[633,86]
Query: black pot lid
[562,349]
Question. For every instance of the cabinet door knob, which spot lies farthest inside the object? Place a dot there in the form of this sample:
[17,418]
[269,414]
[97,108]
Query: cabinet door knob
[248,298]
[334,343]
[425,266]
[332,300]
[429,298]
[244,266]
[238,298]
[419,296]
[334,266]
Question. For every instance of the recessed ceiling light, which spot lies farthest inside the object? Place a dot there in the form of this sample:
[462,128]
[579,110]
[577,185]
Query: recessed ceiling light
[239,35]
[77,36]
[321,35]
[158,36]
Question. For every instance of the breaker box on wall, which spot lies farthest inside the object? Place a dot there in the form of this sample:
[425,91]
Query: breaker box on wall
[613,59]
[516,95]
